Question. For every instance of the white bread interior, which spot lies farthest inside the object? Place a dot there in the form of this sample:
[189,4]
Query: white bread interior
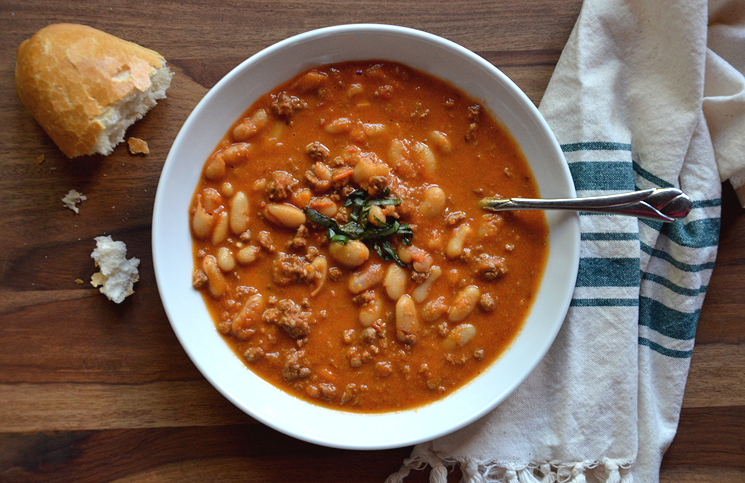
[86,87]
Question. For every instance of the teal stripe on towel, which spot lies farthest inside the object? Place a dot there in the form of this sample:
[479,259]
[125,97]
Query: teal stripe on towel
[693,234]
[707,203]
[608,272]
[602,175]
[689,292]
[686,267]
[668,322]
[664,350]
[604,302]
[595,146]
[604,236]
[650,177]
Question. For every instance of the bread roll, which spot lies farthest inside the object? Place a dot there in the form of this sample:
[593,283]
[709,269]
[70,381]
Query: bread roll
[86,87]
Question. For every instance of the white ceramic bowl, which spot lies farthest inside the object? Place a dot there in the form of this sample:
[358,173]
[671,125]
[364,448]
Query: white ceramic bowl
[172,246]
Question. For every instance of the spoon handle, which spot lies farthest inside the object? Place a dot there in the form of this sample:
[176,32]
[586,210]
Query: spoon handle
[662,204]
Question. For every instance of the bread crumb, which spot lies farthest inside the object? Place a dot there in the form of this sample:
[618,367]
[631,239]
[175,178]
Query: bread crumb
[40,159]
[72,198]
[118,275]
[79,281]
[138,146]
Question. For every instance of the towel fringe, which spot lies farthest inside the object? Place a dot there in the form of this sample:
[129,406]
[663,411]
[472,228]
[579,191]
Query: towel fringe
[606,471]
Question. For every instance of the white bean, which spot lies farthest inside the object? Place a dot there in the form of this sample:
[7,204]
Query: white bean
[434,309]
[420,293]
[248,255]
[286,215]
[459,336]
[353,254]
[215,279]
[215,168]
[322,172]
[441,140]
[366,279]
[397,153]
[227,189]
[338,126]
[407,323]
[220,234]
[457,242]
[373,129]
[371,312]
[376,215]
[301,198]
[325,206]
[236,153]
[260,118]
[395,281]
[310,81]
[433,203]
[211,199]
[245,130]
[225,259]
[249,317]
[355,89]
[319,268]
[424,155]
[464,303]
[404,253]
[201,221]
[367,168]
[239,213]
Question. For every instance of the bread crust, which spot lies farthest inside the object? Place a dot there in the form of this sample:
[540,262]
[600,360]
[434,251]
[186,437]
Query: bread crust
[68,75]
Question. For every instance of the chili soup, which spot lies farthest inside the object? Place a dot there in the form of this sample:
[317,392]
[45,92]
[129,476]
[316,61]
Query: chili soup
[339,246]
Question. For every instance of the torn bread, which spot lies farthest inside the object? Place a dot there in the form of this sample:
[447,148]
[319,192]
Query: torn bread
[86,87]
[118,274]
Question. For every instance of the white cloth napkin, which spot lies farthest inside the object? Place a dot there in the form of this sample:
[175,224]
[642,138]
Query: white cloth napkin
[637,100]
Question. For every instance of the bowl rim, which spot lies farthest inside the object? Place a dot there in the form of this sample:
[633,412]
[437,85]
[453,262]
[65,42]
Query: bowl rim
[568,223]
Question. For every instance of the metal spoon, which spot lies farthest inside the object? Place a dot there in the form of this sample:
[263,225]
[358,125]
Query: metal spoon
[662,204]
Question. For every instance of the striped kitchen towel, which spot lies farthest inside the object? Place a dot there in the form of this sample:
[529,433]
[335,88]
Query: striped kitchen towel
[637,101]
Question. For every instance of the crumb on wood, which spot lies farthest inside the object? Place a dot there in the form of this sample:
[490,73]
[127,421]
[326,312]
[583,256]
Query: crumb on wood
[72,199]
[138,146]
[40,159]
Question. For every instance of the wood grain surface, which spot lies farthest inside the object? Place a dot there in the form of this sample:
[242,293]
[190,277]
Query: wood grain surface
[91,391]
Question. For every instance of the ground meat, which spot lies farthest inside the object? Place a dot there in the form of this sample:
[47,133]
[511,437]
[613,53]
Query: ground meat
[474,112]
[285,106]
[368,334]
[383,369]
[419,277]
[265,240]
[198,278]
[290,317]
[328,391]
[280,185]
[317,151]
[253,354]
[334,274]
[293,368]
[487,302]
[318,185]
[455,218]
[346,191]
[365,297]
[377,187]
[289,268]
[490,267]
[300,238]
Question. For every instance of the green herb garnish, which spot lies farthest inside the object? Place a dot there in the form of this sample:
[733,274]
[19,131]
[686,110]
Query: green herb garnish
[360,228]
